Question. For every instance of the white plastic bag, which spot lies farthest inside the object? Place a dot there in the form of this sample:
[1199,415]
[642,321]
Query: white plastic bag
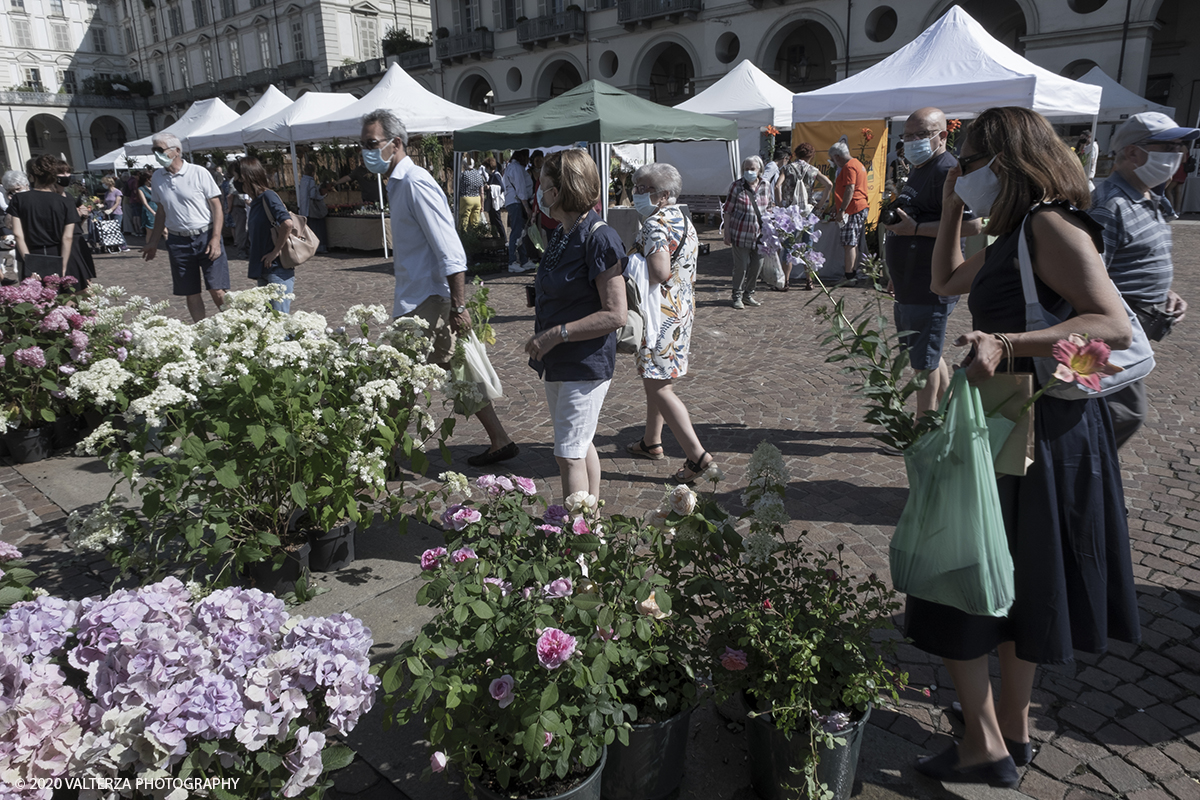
[772,271]
[480,369]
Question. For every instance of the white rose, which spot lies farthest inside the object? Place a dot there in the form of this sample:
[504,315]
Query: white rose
[649,608]
[682,500]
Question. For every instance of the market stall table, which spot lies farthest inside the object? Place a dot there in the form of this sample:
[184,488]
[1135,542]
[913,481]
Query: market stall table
[357,232]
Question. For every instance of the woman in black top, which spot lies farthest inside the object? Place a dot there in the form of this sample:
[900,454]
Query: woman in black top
[1065,518]
[81,266]
[43,220]
[266,211]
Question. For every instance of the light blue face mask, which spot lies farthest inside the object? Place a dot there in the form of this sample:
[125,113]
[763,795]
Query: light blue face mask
[374,161]
[644,205]
[164,159]
[750,175]
[918,152]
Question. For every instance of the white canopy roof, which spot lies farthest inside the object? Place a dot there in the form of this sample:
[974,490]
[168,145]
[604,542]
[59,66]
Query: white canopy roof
[746,95]
[419,109]
[1119,103]
[202,117]
[117,159]
[278,126]
[230,134]
[955,65]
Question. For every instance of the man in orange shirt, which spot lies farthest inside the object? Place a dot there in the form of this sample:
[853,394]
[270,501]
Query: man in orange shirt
[849,203]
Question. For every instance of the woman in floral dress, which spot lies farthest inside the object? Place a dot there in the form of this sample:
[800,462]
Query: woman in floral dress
[668,242]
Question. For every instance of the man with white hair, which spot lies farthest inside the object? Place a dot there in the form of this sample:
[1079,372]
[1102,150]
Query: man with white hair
[748,197]
[849,204]
[189,211]
[429,260]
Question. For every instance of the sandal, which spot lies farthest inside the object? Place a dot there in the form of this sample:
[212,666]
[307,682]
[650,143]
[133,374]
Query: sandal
[697,468]
[642,450]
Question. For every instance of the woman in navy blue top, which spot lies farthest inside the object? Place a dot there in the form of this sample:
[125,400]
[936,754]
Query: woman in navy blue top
[265,212]
[580,306]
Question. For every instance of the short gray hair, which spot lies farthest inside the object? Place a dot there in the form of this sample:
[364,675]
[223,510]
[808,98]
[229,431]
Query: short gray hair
[839,149]
[166,141]
[663,177]
[15,181]
[393,128]
[753,160]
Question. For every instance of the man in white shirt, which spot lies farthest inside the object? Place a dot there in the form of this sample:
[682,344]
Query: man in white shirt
[429,260]
[518,198]
[189,210]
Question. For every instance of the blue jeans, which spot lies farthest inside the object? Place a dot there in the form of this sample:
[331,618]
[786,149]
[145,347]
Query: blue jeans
[516,234]
[285,278]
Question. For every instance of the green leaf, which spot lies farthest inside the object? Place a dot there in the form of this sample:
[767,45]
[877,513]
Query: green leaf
[643,629]
[227,475]
[335,757]
[298,494]
[268,761]
[482,609]
[586,602]
[549,697]
[258,436]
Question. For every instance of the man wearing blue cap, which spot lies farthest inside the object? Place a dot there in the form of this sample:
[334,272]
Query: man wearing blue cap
[1148,148]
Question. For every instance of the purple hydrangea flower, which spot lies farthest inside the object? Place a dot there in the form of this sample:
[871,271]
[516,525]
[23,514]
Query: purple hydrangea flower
[31,357]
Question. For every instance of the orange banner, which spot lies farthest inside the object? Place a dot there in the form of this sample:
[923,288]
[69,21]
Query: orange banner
[867,140]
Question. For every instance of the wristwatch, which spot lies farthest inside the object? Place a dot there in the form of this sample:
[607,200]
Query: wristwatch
[564,333]
[460,309]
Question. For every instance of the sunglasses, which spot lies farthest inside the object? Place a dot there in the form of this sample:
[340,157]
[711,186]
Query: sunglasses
[373,144]
[157,150]
[964,161]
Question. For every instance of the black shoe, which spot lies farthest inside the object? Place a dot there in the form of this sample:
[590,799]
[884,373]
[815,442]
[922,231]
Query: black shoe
[944,767]
[487,457]
[1021,752]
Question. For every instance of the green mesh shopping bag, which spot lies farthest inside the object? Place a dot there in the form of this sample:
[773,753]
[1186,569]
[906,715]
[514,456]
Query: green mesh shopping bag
[950,546]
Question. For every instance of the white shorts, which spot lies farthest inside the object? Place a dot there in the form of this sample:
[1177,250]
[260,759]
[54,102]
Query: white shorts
[575,409]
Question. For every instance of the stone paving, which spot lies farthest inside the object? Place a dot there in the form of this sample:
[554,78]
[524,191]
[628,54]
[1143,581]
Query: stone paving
[1125,724]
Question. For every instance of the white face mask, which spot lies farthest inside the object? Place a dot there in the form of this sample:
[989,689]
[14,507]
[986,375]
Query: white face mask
[1159,167]
[980,189]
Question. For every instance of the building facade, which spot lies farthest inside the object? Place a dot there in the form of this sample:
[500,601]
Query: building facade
[509,55]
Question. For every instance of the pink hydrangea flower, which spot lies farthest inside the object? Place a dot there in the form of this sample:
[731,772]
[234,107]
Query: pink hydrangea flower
[1083,361]
[438,761]
[462,554]
[31,357]
[122,354]
[560,587]
[525,486]
[733,660]
[501,690]
[8,552]
[554,647]
[432,558]
[459,516]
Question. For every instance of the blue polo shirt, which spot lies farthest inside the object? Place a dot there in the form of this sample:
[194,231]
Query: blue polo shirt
[1137,239]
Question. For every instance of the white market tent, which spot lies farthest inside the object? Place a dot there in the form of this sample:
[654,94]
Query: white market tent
[419,109]
[229,135]
[955,65]
[1118,103]
[277,128]
[202,117]
[746,95]
[116,159]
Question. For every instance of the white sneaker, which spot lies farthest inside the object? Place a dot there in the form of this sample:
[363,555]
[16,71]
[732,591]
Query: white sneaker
[528,265]
[515,267]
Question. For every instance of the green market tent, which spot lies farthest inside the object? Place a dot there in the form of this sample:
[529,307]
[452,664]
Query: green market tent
[597,116]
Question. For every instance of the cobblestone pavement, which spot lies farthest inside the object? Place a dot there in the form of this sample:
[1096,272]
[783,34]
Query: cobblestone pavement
[1126,723]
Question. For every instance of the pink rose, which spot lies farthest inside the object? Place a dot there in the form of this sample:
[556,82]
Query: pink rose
[485,482]
[554,647]
[580,526]
[462,554]
[560,587]
[501,690]
[501,486]
[504,586]
[459,516]
[432,558]
[733,660]
[549,530]
[606,634]
[525,486]
[437,761]
[547,739]
[556,515]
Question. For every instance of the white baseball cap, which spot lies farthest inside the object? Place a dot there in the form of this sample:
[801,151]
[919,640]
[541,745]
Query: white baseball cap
[1150,126]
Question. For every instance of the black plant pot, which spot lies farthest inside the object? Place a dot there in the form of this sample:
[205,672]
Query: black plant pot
[279,581]
[588,790]
[332,550]
[651,766]
[772,757]
[64,431]
[27,445]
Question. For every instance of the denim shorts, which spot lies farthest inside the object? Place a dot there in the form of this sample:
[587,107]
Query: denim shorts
[189,261]
[927,327]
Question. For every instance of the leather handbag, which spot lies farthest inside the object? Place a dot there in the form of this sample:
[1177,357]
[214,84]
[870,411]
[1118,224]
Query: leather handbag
[1136,362]
[301,243]
[1003,396]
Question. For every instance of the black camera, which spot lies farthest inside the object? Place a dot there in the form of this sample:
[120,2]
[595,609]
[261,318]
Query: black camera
[891,212]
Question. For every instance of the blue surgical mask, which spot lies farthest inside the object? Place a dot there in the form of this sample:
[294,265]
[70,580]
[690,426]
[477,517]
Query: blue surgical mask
[918,152]
[374,161]
[750,175]
[164,159]
[644,205]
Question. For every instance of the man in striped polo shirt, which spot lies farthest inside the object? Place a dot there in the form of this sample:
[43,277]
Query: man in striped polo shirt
[1136,216]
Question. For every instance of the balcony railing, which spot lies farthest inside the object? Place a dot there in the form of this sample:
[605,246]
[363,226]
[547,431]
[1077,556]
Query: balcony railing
[230,85]
[68,100]
[178,97]
[563,25]
[475,43]
[294,70]
[415,59]
[632,12]
[205,90]
[362,69]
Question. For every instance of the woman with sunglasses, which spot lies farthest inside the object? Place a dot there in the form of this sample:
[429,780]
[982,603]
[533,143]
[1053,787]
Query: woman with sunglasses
[1065,518]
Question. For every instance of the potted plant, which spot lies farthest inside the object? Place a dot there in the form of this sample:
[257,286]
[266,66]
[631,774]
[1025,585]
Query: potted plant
[542,617]
[221,694]
[268,416]
[788,628]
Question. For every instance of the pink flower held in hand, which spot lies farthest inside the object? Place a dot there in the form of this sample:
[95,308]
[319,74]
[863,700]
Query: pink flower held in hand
[560,587]
[501,690]
[459,516]
[525,485]
[1083,361]
[554,647]
[462,554]
[437,761]
[432,558]
[733,660]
